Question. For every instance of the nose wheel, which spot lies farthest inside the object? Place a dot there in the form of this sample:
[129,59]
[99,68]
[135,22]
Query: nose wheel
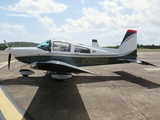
[25,72]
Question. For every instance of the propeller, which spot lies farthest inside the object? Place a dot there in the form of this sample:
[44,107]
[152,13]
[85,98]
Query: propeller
[9,56]
[9,60]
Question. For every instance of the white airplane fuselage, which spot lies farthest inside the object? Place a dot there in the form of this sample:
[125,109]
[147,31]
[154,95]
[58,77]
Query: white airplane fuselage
[90,56]
[63,58]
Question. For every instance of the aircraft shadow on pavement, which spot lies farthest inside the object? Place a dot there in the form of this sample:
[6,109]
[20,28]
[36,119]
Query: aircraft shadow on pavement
[137,80]
[57,100]
[62,100]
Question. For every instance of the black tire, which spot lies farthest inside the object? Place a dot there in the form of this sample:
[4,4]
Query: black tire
[25,75]
[60,80]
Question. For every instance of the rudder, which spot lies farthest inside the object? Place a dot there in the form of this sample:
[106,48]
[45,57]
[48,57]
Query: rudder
[128,45]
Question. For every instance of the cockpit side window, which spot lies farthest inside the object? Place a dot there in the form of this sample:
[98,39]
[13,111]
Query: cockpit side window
[81,49]
[61,46]
[46,45]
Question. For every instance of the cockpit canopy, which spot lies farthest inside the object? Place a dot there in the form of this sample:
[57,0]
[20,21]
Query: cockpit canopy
[59,46]
[46,45]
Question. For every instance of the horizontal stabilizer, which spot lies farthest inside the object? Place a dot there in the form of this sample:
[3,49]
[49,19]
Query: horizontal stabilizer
[136,61]
[147,63]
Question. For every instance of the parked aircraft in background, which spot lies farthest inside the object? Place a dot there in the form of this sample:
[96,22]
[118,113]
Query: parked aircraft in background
[64,58]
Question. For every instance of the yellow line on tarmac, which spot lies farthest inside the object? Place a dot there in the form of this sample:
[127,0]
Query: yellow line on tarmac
[8,110]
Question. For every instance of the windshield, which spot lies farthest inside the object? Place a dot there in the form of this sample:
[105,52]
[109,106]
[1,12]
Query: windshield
[46,45]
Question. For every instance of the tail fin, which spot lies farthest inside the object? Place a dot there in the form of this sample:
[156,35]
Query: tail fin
[95,43]
[128,46]
[128,49]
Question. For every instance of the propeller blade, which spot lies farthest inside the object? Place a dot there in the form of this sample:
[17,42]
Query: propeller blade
[9,60]
[6,44]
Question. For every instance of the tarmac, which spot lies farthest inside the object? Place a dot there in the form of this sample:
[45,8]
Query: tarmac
[119,92]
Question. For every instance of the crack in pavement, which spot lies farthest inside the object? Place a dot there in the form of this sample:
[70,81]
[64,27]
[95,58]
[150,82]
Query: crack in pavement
[127,100]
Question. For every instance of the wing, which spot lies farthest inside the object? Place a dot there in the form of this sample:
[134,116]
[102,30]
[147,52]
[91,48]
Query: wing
[58,66]
[136,61]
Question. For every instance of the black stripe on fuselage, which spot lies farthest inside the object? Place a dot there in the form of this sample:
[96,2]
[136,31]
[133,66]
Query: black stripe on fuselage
[78,60]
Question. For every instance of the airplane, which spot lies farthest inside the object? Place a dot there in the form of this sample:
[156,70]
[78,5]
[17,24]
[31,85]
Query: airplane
[63,58]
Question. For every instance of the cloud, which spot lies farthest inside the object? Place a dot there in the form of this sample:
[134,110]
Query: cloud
[18,15]
[92,19]
[142,16]
[148,9]
[153,13]
[48,24]
[110,6]
[37,7]
[13,29]
[82,1]
[3,8]
[136,5]
[110,20]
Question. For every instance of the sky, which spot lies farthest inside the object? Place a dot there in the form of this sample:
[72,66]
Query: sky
[79,21]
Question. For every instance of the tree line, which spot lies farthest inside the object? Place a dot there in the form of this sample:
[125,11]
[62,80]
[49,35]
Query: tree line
[141,46]
[148,46]
[17,44]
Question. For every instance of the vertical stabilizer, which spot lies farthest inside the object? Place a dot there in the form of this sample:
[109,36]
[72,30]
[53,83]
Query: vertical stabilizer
[95,43]
[129,43]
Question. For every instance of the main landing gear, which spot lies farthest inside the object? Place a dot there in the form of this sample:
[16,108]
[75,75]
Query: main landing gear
[57,76]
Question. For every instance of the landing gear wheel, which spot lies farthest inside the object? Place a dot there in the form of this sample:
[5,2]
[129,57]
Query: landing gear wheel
[25,72]
[25,75]
[60,80]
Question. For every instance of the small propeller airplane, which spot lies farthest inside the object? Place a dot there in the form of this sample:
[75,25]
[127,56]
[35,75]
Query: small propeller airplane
[63,58]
